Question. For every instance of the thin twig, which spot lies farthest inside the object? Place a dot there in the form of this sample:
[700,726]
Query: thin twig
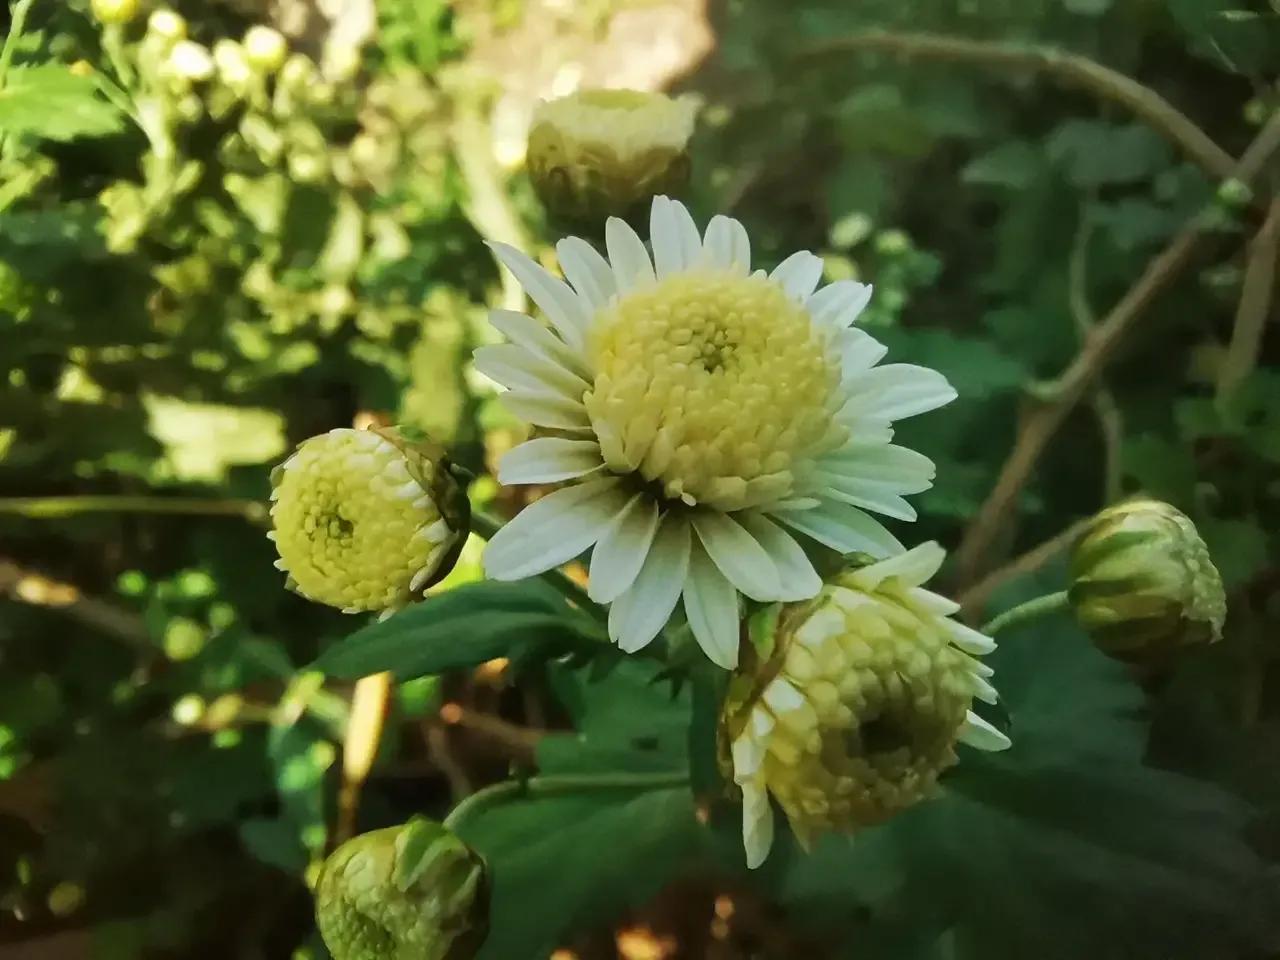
[975,598]
[360,747]
[45,508]
[38,590]
[1256,295]
[1041,425]
[1105,407]
[1069,68]
[517,741]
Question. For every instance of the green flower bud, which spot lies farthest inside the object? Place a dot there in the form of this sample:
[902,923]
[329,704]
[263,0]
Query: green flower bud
[167,25]
[366,519]
[1234,193]
[232,64]
[855,702]
[266,48]
[1143,584]
[599,153]
[413,892]
[114,11]
[190,61]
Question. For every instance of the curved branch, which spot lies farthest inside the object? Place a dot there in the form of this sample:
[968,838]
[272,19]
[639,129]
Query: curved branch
[1042,423]
[1069,68]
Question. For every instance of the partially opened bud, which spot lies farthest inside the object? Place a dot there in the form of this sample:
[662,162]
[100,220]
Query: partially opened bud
[1143,584]
[365,519]
[413,892]
[599,153]
[855,703]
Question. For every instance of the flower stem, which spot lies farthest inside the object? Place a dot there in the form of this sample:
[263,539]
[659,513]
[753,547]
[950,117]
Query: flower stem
[18,19]
[52,507]
[551,786]
[486,525]
[1026,612]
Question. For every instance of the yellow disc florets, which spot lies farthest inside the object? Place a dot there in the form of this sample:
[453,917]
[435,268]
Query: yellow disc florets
[711,385]
[856,704]
[365,519]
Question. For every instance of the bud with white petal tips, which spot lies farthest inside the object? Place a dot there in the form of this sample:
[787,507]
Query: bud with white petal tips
[364,520]
[598,153]
[1143,584]
[114,11]
[167,25]
[413,892]
[855,702]
[191,61]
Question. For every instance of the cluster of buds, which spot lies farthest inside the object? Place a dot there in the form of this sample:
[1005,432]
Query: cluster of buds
[1143,584]
[365,520]
[413,892]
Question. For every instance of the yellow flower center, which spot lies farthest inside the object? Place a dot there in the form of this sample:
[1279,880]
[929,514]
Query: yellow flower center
[353,527]
[712,386]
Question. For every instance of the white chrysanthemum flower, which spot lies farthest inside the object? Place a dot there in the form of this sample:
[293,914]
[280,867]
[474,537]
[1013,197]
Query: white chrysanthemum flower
[856,703]
[697,416]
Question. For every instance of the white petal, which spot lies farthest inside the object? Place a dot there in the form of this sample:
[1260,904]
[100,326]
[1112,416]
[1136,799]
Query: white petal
[931,602]
[968,639]
[549,460]
[637,616]
[838,304]
[798,579]
[981,735]
[757,824]
[748,754]
[899,390]
[983,690]
[567,313]
[912,568]
[711,604]
[587,271]
[859,352]
[899,469]
[842,527]
[536,337]
[782,697]
[547,410]
[798,274]
[553,530]
[870,496]
[673,236]
[727,245]
[621,551]
[738,555]
[515,367]
[627,255]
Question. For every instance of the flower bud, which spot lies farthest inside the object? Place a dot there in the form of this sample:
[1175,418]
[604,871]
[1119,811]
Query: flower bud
[855,702]
[599,153]
[366,519]
[413,892]
[191,61]
[114,11]
[167,25]
[1143,584]
[232,63]
[266,48]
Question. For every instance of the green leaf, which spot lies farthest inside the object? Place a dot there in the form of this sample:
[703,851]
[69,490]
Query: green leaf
[460,628]
[560,864]
[1227,34]
[1013,164]
[49,102]
[1063,846]
[1093,153]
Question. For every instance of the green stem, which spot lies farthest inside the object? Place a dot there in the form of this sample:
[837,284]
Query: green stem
[551,786]
[1025,612]
[16,24]
[486,525]
[51,507]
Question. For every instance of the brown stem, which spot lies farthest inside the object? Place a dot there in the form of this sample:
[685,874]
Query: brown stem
[38,590]
[1256,295]
[1069,68]
[974,600]
[1041,425]
[360,747]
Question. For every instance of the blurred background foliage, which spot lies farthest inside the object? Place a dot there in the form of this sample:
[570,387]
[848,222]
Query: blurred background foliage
[202,265]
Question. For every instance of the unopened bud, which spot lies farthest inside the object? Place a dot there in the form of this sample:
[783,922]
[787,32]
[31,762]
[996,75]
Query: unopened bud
[191,61]
[114,11]
[233,66]
[413,892]
[167,25]
[1143,584]
[266,48]
[600,153]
